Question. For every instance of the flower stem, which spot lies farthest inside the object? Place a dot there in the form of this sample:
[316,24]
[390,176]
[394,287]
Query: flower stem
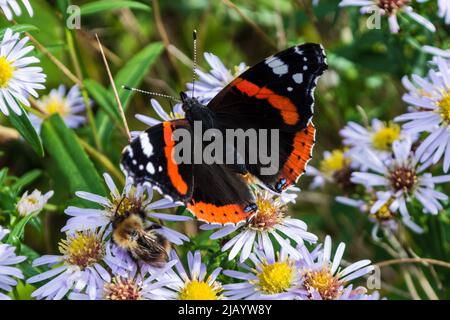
[78,70]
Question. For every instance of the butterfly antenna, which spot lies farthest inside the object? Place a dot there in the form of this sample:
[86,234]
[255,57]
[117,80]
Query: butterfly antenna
[151,93]
[111,80]
[194,36]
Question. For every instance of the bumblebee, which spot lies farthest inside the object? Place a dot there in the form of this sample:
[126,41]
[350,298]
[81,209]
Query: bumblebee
[143,243]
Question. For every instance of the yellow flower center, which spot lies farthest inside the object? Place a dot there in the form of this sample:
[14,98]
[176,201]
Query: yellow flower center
[121,205]
[6,72]
[334,162]
[384,213]
[32,200]
[323,282]
[237,71]
[276,277]
[391,6]
[176,115]
[56,105]
[121,289]
[198,290]
[444,107]
[270,211]
[383,138]
[82,249]
[403,178]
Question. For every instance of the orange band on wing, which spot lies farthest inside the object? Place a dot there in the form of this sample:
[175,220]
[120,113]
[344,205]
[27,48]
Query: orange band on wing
[301,154]
[287,108]
[172,167]
[231,213]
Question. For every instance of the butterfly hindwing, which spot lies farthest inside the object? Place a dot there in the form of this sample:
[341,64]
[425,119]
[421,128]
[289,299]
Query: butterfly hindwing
[220,195]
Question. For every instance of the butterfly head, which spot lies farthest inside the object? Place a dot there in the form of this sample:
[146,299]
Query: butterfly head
[189,103]
[195,111]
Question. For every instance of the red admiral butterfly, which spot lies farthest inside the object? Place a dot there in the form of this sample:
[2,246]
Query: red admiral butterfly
[276,93]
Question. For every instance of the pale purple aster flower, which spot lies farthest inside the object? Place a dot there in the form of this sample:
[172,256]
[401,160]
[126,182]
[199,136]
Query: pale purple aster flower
[436,52]
[11,8]
[8,258]
[400,180]
[335,167]
[443,9]
[389,8]
[19,79]
[191,284]
[430,112]
[136,283]
[290,195]
[119,260]
[378,137]
[138,198]
[268,276]
[66,104]
[269,225]
[177,112]
[322,275]
[79,268]
[33,202]
[383,218]
[359,293]
[210,84]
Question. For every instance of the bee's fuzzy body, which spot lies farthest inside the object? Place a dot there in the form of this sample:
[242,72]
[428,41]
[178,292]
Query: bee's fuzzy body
[130,234]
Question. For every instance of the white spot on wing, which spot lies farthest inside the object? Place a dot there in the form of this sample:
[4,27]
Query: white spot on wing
[297,77]
[277,65]
[289,89]
[283,69]
[150,168]
[160,169]
[141,167]
[147,147]
[130,151]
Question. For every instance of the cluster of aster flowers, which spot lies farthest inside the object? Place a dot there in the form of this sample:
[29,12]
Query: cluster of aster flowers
[274,262]
[91,266]
[8,272]
[393,161]
[21,78]
[392,9]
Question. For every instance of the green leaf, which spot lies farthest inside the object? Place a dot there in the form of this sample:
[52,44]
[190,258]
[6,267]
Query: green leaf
[24,290]
[19,28]
[103,98]
[3,175]
[26,179]
[131,74]
[23,125]
[135,70]
[106,5]
[16,234]
[71,160]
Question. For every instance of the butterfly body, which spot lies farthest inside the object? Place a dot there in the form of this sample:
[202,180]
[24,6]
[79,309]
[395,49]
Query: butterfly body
[274,95]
